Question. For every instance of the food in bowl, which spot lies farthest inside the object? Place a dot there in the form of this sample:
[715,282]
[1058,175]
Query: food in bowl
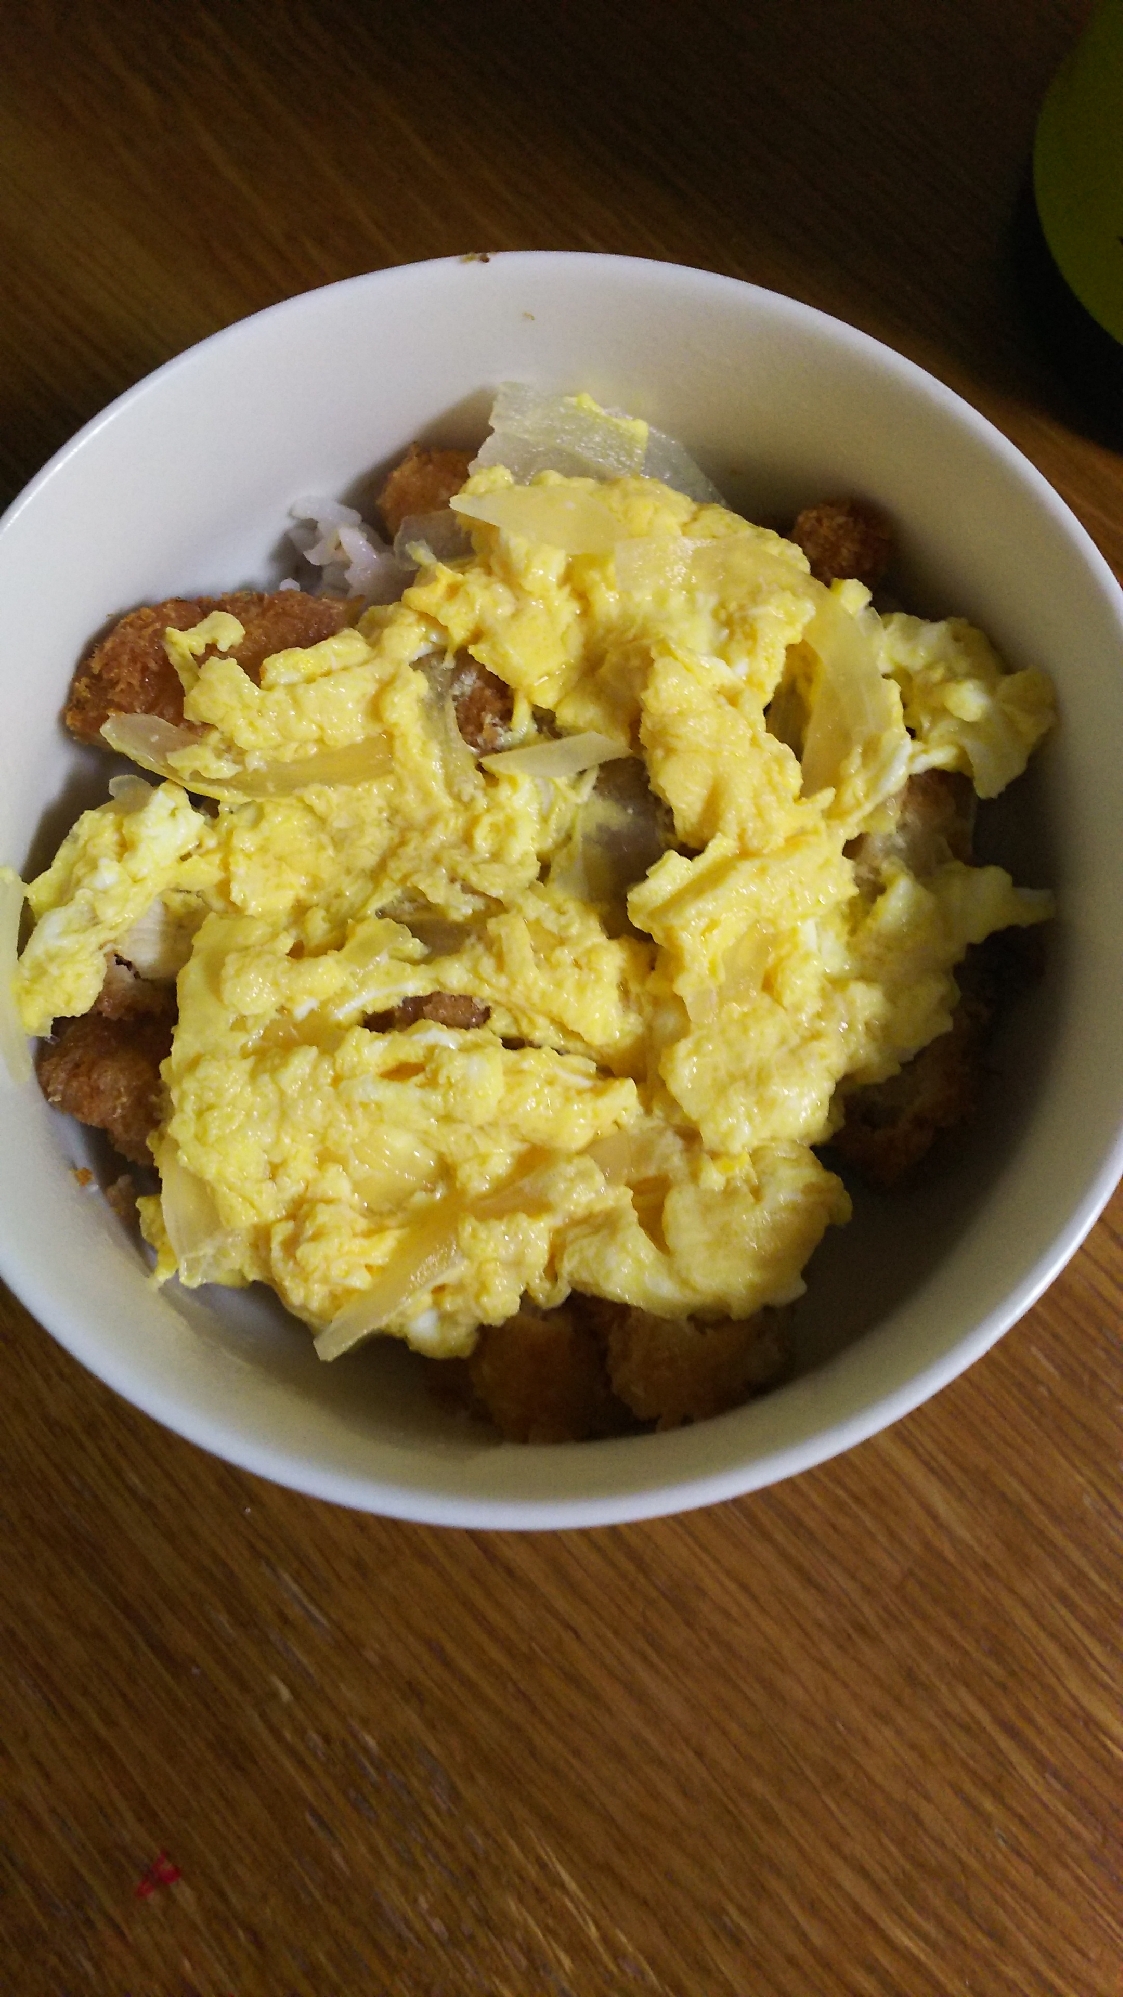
[532,930]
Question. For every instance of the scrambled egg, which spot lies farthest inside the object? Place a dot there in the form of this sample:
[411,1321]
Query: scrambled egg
[636,1119]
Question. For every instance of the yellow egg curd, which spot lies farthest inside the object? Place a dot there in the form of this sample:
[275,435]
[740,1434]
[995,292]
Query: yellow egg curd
[637,1117]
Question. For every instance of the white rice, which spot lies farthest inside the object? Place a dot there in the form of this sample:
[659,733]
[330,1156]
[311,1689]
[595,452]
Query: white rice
[340,555]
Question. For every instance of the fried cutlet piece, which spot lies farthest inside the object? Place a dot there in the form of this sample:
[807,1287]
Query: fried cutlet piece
[129,671]
[593,1368]
[445,1008]
[675,1370]
[106,1072]
[845,537]
[890,1126]
[484,705]
[121,1196]
[936,819]
[448,1381]
[424,482]
[126,995]
[933,820]
[540,1377]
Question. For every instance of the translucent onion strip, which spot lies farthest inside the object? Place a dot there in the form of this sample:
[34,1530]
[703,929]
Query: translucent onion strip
[535,430]
[14,1046]
[147,740]
[580,523]
[131,793]
[853,704]
[427,1254]
[441,534]
[666,459]
[566,757]
[630,1155]
[731,563]
[200,1242]
[456,757]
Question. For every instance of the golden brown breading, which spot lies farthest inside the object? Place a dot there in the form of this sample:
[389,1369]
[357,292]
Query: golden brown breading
[540,1377]
[106,1071]
[845,537]
[445,1008]
[121,1195]
[125,995]
[129,672]
[484,705]
[675,1370]
[424,482]
[890,1126]
[593,1368]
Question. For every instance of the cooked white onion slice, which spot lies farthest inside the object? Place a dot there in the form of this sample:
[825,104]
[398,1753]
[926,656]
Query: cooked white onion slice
[566,757]
[457,760]
[853,705]
[426,1255]
[13,1040]
[147,740]
[199,1240]
[666,459]
[580,523]
[737,564]
[535,430]
[356,763]
[440,534]
[131,793]
[629,1156]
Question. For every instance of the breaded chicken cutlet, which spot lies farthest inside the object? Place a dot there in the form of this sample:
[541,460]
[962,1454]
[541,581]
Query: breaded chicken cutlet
[484,705]
[104,1068]
[843,538]
[454,1009]
[129,672]
[890,1126]
[423,482]
[592,1369]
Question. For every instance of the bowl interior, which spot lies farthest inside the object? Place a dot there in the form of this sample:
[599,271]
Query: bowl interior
[184,486]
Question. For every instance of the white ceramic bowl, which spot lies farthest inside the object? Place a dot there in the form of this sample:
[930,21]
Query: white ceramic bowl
[183,486]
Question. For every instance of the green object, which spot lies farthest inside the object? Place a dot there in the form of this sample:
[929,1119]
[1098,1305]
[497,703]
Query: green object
[1078,168]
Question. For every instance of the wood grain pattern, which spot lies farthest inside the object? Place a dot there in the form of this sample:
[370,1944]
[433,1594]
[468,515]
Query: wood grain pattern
[856,1736]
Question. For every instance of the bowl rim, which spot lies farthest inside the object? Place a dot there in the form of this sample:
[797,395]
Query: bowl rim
[649,1497]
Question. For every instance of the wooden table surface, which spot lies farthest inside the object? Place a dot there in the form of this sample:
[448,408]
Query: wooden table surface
[858,1734]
